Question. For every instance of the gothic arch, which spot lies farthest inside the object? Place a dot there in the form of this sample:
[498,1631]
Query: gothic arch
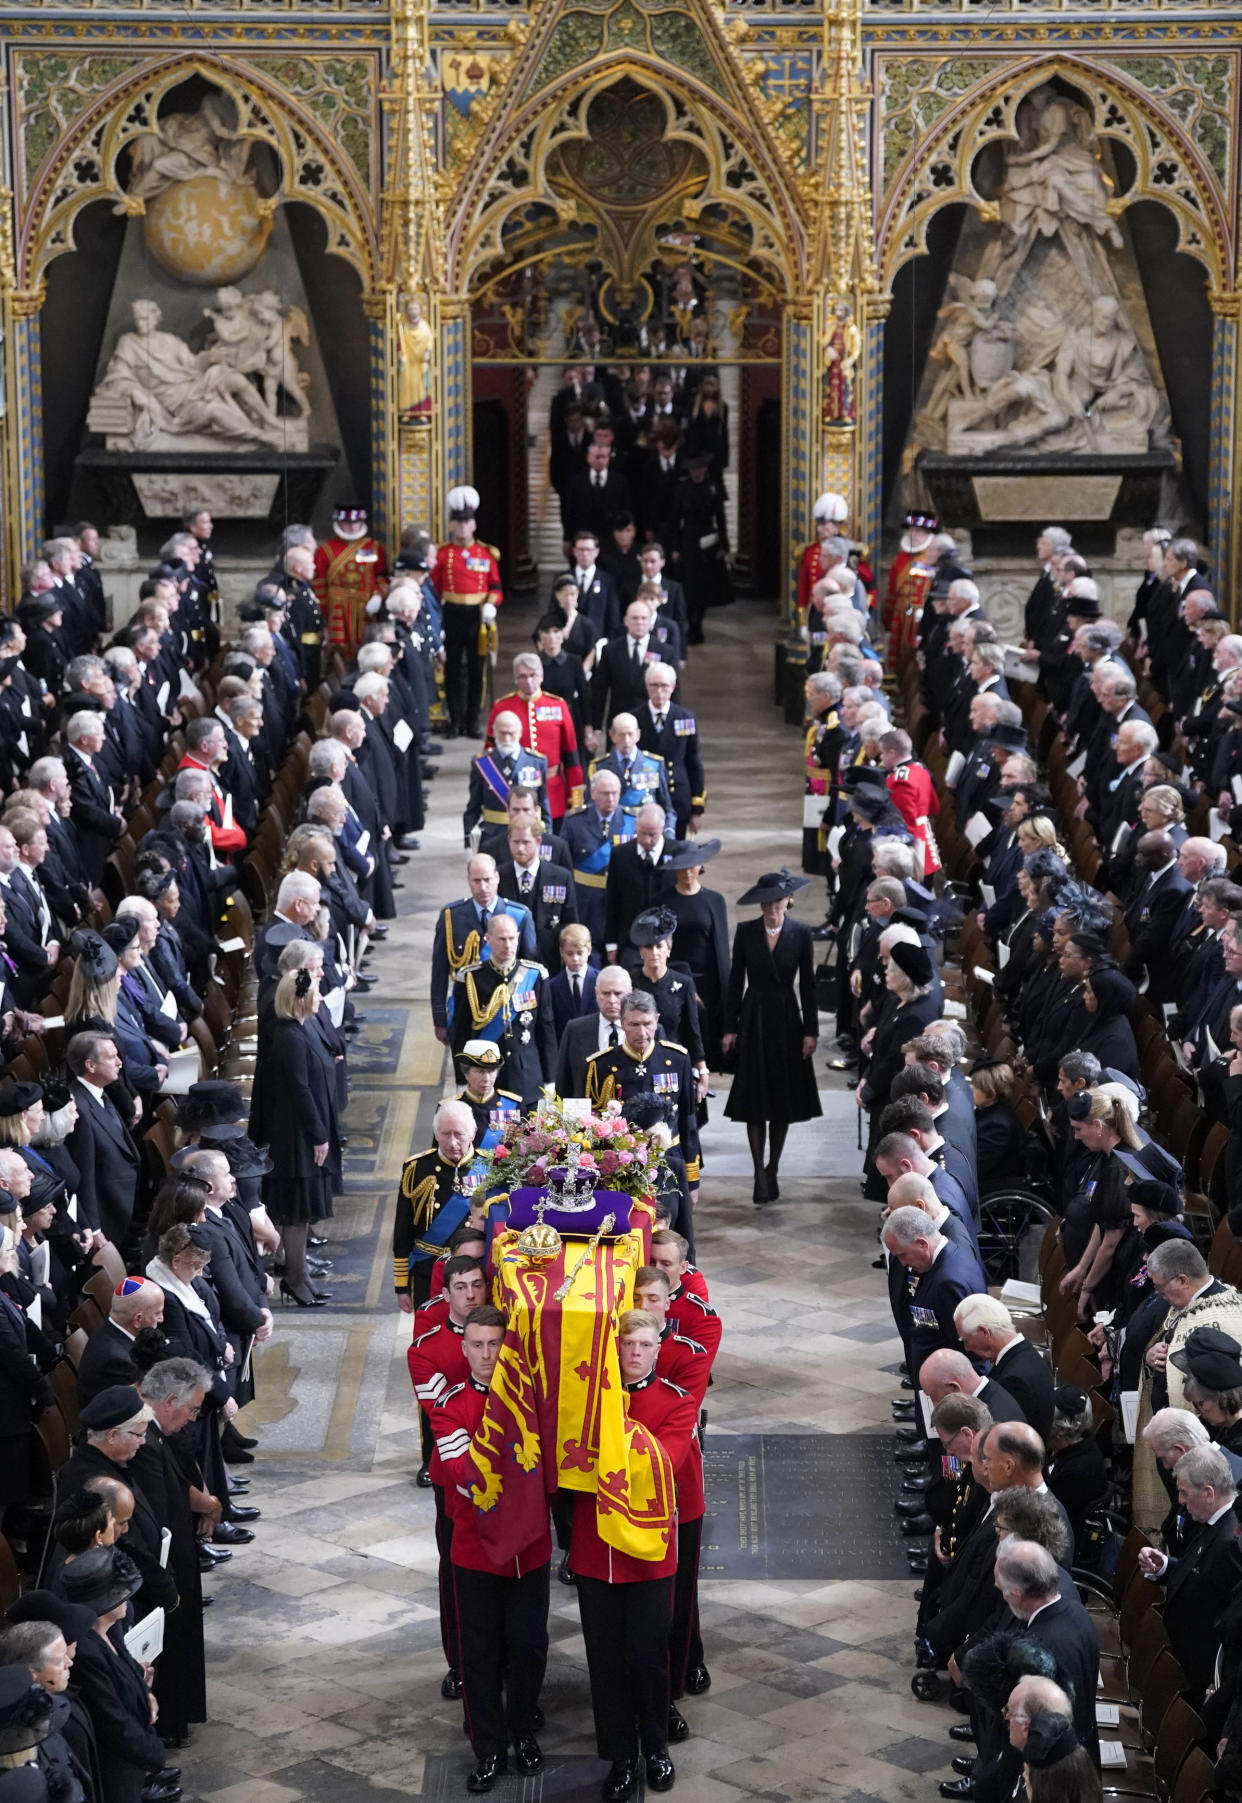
[744,171]
[1169,166]
[82,168]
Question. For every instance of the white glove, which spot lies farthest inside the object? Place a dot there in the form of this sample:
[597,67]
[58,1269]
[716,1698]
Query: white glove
[488,612]
[805,635]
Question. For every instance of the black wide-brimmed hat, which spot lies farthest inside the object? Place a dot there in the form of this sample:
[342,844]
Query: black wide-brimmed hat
[209,1102]
[100,1579]
[773,885]
[690,853]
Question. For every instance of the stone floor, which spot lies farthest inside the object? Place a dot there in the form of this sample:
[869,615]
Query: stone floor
[323,1641]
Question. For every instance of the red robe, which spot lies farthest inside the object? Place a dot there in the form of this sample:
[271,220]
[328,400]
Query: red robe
[905,596]
[344,586]
[809,572]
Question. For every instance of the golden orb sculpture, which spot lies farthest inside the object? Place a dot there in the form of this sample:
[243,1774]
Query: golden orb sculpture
[208,230]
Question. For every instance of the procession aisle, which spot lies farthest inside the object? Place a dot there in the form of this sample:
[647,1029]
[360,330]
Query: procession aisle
[337,1694]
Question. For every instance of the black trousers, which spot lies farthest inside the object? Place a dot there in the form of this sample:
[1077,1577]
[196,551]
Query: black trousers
[449,1637]
[685,1647]
[626,1630]
[463,667]
[504,1650]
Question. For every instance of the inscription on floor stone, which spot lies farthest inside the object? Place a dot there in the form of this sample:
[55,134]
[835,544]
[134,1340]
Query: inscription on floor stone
[801,1506]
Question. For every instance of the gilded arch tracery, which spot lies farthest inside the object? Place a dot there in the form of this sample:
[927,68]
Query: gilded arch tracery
[82,167]
[1171,167]
[508,172]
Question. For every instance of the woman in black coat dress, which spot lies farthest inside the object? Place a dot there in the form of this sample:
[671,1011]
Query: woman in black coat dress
[772,1017]
[109,1679]
[999,1134]
[24,1392]
[1077,1475]
[300,1126]
[194,1330]
[1108,998]
[701,941]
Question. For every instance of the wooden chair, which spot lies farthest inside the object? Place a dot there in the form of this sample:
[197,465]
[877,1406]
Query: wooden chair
[87,1317]
[99,1288]
[109,1259]
[10,1579]
[64,1380]
[75,1346]
[1195,1779]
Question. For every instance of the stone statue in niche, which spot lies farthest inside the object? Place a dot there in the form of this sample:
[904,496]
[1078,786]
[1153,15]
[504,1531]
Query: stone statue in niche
[159,395]
[254,334]
[414,344]
[1034,348]
[841,352]
[184,146]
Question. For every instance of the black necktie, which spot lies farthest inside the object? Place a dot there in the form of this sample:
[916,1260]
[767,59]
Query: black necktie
[612,1038]
[636,651]
[575,983]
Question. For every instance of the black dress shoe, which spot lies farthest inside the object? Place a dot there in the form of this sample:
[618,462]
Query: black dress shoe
[243,1514]
[314,1239]
[918,1595]
[169,1774]
[231,1437]
[207,1559]
[698,1680]
[964,1763]
[918,1564]
[620,1782]
[678,1726]
[362,981]
[907,1383]
[227,1535]
[240,1457]
[160,1793]
[961,1731]
[913,1486]
[563,1572]
[487,1771]
[909,1435]
[450,1684]
[423,1477]
[958,1787]
[911,1455]
[909,1508]
[903,1412]
[916,1525]
[661,1772]
[527,1754]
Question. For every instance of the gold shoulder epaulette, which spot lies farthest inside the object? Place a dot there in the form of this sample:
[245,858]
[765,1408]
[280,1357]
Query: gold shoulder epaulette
[672,1045]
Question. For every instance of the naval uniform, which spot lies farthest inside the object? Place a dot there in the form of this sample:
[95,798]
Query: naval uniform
[665,1070]
[590,838]
[490,1115]
[460,938]
[492,776]
[433,1203]
[512,1008]
[643,778]
[626,1603]
[502,1609]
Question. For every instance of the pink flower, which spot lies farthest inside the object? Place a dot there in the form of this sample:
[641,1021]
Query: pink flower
[538,1171]
[624,1158]
[586,1161]
[608,1163]
[604,1129]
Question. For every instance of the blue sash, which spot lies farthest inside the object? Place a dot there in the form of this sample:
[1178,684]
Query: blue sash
[595,863]
[503,1110]
[436,1236]
[487,769]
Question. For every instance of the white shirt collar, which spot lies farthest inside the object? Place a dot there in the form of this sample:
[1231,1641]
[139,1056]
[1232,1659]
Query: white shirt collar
[1007,1347]
[97,1093]
[605,1028]
[586,577]
[1223,1510]
[1050,1604]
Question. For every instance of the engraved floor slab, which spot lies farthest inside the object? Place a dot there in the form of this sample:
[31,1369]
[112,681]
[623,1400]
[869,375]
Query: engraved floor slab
[813,1506]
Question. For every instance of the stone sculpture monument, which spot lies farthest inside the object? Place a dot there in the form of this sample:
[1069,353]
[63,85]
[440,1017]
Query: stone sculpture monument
[159,395]
[1033,351]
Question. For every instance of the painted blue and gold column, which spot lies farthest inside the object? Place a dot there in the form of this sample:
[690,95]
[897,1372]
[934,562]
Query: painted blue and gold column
[1225,447]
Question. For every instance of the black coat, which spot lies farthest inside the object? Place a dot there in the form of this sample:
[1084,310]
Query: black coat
[1029,1381]
[1198,1587]
[105,1361]
[108,1164]
[579,1041]
[1078,1478]
[1000,1138]
[772,1007]
[143,1539]
[618,681]
[632,886]
[907,1021]
[1068,1632]
[553,902]
[114,1690]
[98,828]
[180,1675]
[677,742]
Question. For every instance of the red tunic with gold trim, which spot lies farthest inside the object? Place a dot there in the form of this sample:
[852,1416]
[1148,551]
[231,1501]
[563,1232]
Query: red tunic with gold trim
[344,585]
[905,596]
[810,570]
[547,727]
[467,575]
[914,796]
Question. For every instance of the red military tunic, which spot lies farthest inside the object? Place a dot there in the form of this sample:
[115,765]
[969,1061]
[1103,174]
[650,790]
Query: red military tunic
[345,584]
[694,1317]
[437,1364]
[672,1415]
[547,727]
[811,568]
[684,1362]
[455,1421]
[915,798]
[466,576]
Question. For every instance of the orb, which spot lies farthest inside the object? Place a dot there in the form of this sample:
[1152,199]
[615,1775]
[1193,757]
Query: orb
[207,230]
